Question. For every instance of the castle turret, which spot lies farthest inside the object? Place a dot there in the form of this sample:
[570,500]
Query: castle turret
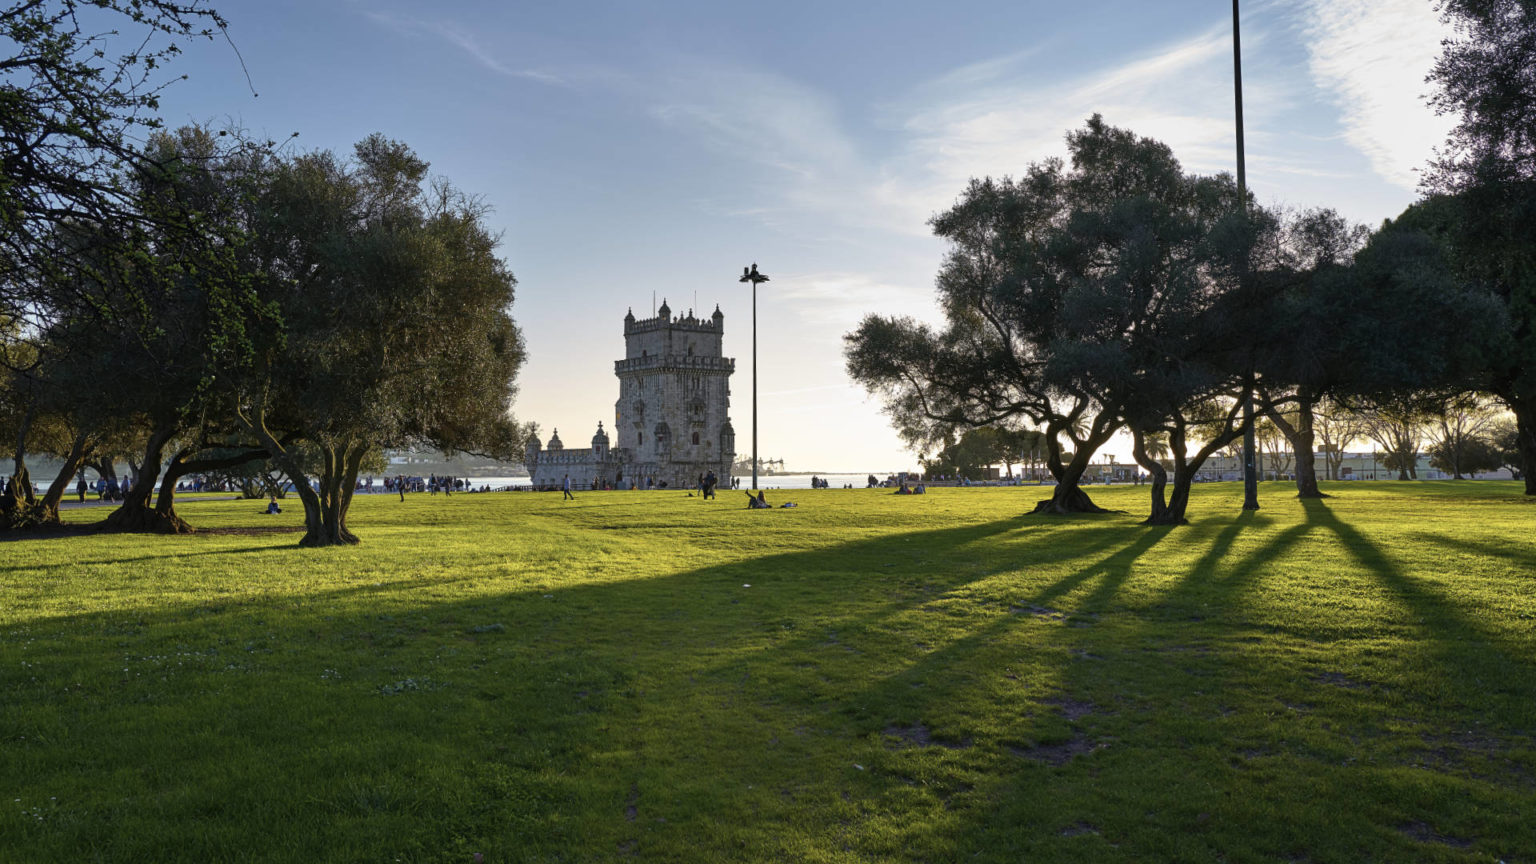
[728,440]
[600,443]
[531,451]
[665,312]
[554,442]
[718,317]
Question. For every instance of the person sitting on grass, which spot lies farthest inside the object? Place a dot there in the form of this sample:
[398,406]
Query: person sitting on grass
[758,503]
[272,506]
[919,489]
[903,490]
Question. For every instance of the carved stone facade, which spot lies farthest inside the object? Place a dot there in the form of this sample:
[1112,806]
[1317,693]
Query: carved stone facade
[672,417]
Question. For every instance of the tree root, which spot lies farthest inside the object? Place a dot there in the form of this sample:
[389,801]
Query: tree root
[318,539]
[143,520]
[1052,507]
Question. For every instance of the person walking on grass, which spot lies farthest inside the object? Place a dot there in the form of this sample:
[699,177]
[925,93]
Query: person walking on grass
[566,487]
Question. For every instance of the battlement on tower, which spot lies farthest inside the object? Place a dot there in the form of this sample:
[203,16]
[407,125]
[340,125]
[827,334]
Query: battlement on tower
[674,363]
[681,322]
[687,323]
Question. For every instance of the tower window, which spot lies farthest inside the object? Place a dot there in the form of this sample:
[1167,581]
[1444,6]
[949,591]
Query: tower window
[640,438]
[695,438]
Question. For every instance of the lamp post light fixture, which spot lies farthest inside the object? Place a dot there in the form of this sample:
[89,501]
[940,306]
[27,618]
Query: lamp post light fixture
[750,274]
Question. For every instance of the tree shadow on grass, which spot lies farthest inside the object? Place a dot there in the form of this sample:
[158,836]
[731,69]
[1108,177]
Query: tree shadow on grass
[1112,571]
[1214,578]
[1431,488]
[1222,765]
[410,722]
[682,716]
[934,666]
[1071,783]
[1522,559]
[1474,663]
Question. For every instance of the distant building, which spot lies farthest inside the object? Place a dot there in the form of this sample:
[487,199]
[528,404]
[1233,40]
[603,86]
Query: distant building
[672,417]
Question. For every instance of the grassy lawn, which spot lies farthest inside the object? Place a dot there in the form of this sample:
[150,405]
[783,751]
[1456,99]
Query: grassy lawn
[647,676]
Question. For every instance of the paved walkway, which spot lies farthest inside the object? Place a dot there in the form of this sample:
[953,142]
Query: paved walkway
[74,503]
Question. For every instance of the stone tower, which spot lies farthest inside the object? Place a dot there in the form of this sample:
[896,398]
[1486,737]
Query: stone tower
[672,417]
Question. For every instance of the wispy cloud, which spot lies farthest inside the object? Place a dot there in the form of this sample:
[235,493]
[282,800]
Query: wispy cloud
[1372,56]
[812,160]
[1179,94]
[867,183]
[988,118]
[841,299]
[464,40]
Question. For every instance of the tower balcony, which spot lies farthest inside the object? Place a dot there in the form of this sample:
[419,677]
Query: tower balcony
[675,363]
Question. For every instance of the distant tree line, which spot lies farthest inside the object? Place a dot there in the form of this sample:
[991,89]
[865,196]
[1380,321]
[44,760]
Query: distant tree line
[201,303]
[1464,435]
[1114,292]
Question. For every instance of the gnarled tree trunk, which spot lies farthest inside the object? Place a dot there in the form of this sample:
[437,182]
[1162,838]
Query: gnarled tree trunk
[1303,440]
[326,524]
[48,508]
[136,514]
[1172,512]
[17,500]
[1159,476]
[325,509]
[1525,425]
[1185,469]
[180,466]
[1068,497]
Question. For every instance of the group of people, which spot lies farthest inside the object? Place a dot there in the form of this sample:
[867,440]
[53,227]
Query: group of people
[203,484]
[893,480]
[106,489]
[600,485]
[824,483]
[432,484]
[706,485]
[904,489]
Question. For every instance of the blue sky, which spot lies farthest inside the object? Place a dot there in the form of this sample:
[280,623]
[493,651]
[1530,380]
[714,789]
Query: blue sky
[633,149]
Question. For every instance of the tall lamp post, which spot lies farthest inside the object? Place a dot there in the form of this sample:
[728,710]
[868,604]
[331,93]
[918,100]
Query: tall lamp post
[1250,476]
[750,274]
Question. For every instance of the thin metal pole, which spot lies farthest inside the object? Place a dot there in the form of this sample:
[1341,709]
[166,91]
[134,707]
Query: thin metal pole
[1250,475]
[754,384]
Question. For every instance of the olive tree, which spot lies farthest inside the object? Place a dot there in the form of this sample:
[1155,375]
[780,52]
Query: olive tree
[391,324]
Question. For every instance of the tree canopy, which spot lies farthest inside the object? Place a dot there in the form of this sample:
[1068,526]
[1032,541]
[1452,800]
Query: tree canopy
[392,324]
[1486,179]
[326,308]
[76,96]
[1076,299]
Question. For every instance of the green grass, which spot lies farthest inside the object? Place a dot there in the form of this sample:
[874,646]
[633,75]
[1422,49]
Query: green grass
[933,678]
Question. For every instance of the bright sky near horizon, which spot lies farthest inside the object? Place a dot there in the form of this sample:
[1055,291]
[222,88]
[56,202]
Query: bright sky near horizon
[633,151]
